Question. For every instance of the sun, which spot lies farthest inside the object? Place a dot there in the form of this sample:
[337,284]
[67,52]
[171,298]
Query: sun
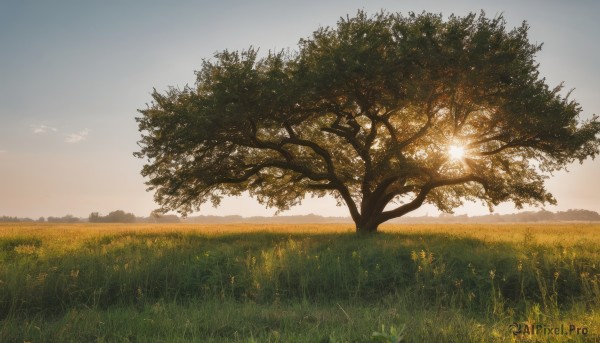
[456,152]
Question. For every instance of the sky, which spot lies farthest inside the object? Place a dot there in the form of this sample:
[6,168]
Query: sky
[73,74]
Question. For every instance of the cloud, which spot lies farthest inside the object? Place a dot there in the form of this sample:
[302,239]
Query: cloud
[77,137]
[44,129]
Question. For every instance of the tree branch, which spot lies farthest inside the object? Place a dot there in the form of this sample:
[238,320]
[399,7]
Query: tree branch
[420,198]
[391,130]
[418,134]
[334,182]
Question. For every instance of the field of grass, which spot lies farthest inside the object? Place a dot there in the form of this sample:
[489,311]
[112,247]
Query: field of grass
[304,283]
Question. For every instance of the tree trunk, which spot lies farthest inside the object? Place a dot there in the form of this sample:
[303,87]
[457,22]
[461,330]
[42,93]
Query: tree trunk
[366,226]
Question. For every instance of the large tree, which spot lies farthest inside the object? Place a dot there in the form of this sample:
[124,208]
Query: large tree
[383,112]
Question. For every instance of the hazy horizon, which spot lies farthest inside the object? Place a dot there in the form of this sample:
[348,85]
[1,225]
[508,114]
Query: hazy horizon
[74,73]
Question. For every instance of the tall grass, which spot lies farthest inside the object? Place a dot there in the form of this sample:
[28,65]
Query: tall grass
[490,275]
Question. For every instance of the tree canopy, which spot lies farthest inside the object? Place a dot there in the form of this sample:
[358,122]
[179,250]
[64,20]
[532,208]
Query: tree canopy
[384,112]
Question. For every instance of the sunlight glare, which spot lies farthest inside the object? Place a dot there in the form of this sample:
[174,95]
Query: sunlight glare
[456,152]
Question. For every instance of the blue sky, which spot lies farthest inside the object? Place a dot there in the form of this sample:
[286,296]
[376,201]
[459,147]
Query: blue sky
[73,74]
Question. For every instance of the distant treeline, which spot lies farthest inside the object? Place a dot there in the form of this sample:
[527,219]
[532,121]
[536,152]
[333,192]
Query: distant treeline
[539,216]
[522,217]
[159,218]
[120,216]
[7,219]
[309,218]
[66,219]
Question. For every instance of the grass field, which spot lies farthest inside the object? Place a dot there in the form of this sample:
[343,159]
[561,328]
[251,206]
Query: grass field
[304,283]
